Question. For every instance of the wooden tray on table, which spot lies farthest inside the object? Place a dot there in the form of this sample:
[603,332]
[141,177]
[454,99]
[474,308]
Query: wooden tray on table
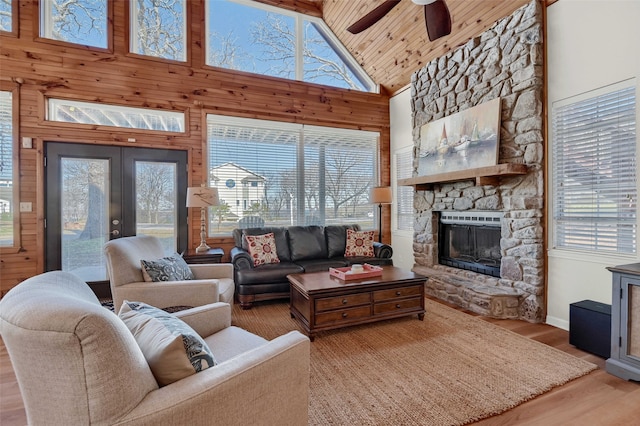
[346,274]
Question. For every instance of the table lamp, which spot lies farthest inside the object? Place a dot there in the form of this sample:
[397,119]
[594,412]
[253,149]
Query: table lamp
[203,197]
[380,195]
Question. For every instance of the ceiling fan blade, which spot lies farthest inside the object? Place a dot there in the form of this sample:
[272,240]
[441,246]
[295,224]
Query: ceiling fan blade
[438,19]
[372,17]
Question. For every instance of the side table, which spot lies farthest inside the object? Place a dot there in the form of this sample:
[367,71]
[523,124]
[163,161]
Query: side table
[213,255]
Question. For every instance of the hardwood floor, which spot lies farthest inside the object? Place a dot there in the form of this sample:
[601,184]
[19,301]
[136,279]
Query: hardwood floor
[597,399]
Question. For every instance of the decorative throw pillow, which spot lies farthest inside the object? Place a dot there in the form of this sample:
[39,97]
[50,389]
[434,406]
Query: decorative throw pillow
[359,243]
[262,249]
[172,268]
[172,348]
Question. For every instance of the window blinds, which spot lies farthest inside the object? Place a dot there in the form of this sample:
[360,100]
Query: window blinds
[290,174]
[594,172]
[404,194]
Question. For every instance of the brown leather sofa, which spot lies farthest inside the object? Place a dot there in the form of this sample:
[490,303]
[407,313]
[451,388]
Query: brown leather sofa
[300,249]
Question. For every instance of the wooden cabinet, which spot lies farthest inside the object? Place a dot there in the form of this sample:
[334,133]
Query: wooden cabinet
[321,302]
[213,255]
[625,322]
[351,309]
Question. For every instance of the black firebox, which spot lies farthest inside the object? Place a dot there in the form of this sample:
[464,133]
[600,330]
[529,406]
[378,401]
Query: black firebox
[470,241]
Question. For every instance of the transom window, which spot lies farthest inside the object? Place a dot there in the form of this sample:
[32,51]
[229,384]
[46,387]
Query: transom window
[594,171]
[79,21]
[250,36]
[67,111]
[281,174]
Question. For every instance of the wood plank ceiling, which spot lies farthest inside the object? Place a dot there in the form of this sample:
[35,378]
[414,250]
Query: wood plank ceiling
[394,48]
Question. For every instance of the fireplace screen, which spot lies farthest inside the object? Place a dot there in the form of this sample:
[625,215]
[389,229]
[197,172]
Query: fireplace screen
[470,246]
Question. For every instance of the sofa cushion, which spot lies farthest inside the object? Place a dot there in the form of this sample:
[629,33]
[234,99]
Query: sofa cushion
[265,274]
[337,238]
[379,261]
[317,265]
[262,249]
[280,235]
[172,349]
[359,243]
[171,268]
[307,242]
[233,341]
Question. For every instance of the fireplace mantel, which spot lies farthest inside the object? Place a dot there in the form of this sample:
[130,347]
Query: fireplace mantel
[483,176]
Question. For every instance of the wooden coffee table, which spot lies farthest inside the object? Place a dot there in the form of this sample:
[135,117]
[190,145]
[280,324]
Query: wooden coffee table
[323,302]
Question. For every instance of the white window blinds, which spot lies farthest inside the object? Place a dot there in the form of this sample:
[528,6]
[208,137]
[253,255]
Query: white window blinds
[594,172]
[404,194]
[281,174]
[7,205]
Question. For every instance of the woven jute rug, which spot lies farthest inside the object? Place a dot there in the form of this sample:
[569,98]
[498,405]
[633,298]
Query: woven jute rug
[450,369]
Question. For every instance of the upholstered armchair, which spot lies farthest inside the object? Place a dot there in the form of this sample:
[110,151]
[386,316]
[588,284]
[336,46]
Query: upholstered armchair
[212,283]
[76,363]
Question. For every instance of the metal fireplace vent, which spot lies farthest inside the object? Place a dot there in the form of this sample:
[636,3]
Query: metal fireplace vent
[471,218]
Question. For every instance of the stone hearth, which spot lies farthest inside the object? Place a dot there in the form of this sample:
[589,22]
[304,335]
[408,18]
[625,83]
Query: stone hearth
[506,61]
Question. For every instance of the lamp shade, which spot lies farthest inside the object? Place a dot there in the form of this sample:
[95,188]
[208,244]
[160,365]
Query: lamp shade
[202,196]
[381,195]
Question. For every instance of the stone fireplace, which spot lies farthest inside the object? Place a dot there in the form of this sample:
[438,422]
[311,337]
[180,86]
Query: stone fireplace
[504,276]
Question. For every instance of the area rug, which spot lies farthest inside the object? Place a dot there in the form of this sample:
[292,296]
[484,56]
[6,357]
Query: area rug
[450,369]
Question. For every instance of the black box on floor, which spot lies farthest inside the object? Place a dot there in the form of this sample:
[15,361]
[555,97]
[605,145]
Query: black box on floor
[590,327]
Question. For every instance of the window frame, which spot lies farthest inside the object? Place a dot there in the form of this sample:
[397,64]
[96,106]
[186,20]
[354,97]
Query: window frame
[591,253]
[340,50]
[37,12]
[14,88]
[187,30]
[15,21]
[106,128]
[300,160]
[401,174]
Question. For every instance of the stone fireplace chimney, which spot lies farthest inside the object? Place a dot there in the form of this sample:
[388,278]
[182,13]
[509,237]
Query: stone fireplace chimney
[504,62]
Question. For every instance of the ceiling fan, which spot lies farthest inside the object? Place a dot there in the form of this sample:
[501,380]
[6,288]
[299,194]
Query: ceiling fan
[436,16]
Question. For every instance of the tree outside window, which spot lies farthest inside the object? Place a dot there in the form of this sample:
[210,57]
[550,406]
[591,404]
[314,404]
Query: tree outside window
[158,28]
[75,21]
[288,45]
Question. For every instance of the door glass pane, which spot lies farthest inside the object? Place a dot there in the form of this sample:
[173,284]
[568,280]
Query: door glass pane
[85,216]
[156,199]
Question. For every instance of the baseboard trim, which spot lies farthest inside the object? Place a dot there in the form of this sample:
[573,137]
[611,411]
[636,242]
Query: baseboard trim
[558,322]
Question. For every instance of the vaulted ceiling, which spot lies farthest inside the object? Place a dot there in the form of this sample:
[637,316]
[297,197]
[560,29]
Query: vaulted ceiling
[396,46]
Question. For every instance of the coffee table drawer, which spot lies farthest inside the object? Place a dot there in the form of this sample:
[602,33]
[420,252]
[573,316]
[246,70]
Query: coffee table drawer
[395,293]
[343,315]
[397,305]
[345,301]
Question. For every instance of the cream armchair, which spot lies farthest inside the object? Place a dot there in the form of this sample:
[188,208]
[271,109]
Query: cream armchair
[212,283]
[78,363]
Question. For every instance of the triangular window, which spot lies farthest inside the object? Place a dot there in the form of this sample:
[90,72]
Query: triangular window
[253,37]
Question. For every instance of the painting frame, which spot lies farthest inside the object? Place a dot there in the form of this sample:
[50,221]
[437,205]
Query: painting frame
[465,140]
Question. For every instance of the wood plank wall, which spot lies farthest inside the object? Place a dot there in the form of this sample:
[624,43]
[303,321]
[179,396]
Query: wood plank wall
[44,68]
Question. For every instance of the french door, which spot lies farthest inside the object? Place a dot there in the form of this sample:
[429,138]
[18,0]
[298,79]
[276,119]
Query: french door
[95,193]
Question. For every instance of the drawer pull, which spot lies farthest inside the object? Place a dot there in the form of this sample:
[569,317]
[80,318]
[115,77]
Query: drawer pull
[344,301]
[398,306]
[344,315]
[398,293]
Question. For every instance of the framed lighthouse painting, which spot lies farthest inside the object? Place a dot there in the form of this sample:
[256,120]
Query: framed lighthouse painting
[465,140]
